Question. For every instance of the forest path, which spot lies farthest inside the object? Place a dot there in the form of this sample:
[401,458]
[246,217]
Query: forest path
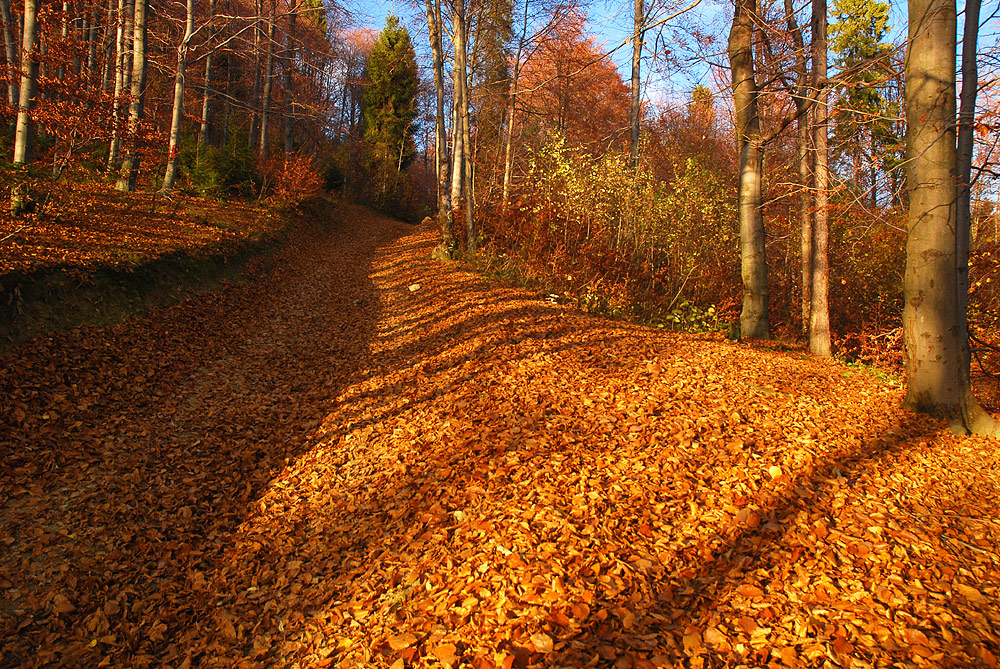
[323,467]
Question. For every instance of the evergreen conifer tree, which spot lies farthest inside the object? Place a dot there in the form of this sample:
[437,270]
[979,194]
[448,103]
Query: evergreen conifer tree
[390,109]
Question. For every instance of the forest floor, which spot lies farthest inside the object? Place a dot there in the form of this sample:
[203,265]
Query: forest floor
[360,456]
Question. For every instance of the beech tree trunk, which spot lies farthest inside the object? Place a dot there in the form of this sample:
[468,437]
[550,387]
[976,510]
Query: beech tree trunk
[257,79]
[802,160]
[937,370]
[289,126]
[24,139]
[819,314]
[122,64]
[457,136]
[178,109]
[754,322]
[130,166]
[445,218]
[268,79]
[966,145]
[10,49]
[462,99]
[508,149]
[206,102]
[638,20]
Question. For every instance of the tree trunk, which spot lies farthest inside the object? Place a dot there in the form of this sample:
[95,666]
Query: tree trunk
[445,218]
[130,166]
[457,136]
[92,43]
[10,49]
[464,152]
[754,323]
[966,145]
[289,129]
[121,65]
[228,108]
[178,109]
[937,370]
[819,315]
[257,79]
[206,101]
[802,161]
[24,139]
[638,20]
[268,77]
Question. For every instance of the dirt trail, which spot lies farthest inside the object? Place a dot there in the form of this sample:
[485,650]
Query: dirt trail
[323,467]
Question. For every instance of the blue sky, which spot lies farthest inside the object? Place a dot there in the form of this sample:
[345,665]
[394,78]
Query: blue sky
[610,23]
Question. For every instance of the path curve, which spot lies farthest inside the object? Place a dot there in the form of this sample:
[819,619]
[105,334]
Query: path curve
[365,457]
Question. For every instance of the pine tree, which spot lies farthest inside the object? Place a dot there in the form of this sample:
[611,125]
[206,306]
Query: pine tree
[390,108]
[863,119]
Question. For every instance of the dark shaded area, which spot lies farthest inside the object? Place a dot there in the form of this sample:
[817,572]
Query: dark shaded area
[130,453]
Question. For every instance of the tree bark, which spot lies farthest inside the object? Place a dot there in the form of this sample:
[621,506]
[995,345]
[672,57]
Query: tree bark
[289,125]
[754,322]
[462,98]
[257,79]
[819,314]
[130,166]
[802,162]
[10,49]
[457,136]
[178,108]
[638,30]
[24,139]
[206,101]
[445,218]
[268,79]
[966,145]
[121,63]
[937,371]
[508,149]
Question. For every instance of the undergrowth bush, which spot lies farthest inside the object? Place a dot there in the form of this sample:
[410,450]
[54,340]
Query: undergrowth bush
[219,173]
[289,180]
[621,242]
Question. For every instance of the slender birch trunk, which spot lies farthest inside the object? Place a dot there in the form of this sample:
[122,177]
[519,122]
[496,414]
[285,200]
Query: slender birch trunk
[802,162]
[289,124]
[130,166]
[508,149]
[25,127]
[120,65]
[10,49]
[257,82]
[268,77]
[175,117]
[638,31]
[462,133]
[445,217]
[206,102]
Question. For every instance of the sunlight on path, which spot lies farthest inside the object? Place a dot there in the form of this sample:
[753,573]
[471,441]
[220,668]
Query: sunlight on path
[323,467]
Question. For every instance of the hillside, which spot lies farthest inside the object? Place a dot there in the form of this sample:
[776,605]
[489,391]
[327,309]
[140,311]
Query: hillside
[360,456]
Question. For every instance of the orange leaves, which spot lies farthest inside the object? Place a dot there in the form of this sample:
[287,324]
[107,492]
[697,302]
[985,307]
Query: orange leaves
[402,641]
[334,471]
[542,642]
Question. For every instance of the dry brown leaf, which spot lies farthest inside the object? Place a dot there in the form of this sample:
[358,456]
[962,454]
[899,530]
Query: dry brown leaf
[542,642]
[402,641]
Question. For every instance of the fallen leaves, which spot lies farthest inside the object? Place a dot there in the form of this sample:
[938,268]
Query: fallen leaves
[402,641]
[323,468]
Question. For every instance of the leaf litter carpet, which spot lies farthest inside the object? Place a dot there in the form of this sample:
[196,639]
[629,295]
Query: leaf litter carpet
[324,467]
